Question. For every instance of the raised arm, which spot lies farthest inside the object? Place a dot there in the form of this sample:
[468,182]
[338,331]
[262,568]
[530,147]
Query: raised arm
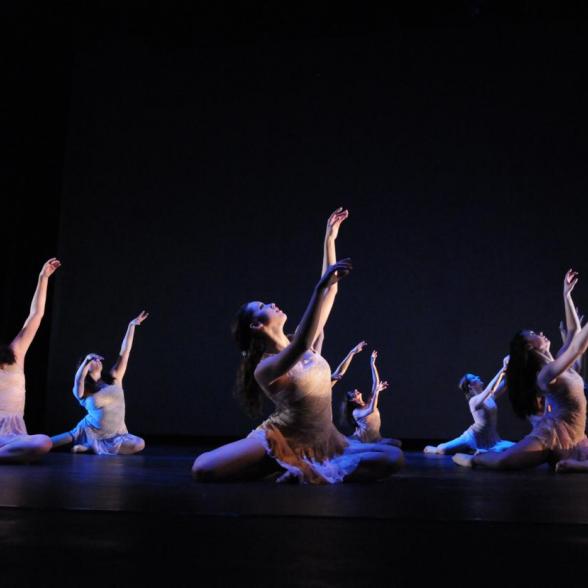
[80,377]
[271,368]
[377,387]
[576,344]
[495,387]
[23,340]
[565,360]
[329,258]
[572,321]
[120,367]
[344,365]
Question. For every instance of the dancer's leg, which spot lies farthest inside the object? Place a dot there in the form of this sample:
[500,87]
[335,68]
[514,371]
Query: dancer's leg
[131,444]
[462,444]
[527,453]
[25,449]
[243,459]
[61,439]
[377,461]
[571,465]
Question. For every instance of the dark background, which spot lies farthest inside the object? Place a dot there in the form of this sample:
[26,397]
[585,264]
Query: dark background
[185,160]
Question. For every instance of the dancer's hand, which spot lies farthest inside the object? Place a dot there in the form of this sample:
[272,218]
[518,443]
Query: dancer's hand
[373,357]
[359,348]
[381,386]
[139,319]
[505,362]
[50,267]
[334,222]
[570,281]
[334,273]
[93,357]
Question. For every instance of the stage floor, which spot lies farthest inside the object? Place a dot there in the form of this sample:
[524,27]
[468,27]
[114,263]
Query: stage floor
[120,520]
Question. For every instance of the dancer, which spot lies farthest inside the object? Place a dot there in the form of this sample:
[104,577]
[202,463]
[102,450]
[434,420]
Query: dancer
[482,435]
[299,436]
[103,430]
[559,435]
[16,445]
[365,416]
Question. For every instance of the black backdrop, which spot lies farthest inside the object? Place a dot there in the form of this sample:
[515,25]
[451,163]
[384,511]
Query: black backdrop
[199,171]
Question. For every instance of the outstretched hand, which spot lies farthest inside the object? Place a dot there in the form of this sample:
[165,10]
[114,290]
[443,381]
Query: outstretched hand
[50,267]
[359,348]
[139,319]
[570,281]
[381,386]
[93,357]
[373,357]
[334,222]
[335,272]
[505,362]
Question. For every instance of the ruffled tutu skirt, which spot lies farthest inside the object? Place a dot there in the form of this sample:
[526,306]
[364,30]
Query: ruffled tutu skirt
[304,467]
[12,426]
[98,441]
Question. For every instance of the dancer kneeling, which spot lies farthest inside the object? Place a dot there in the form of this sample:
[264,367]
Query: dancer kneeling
[16,445]
[103,430]
[364,416]
[559,434]
[482,435]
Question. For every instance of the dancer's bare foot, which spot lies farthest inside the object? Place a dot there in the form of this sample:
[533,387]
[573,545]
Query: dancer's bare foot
[464,460]
[79,449]
[430,449]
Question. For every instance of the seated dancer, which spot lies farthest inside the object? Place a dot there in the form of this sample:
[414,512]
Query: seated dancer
[16,445]
[365,416]
[299,436]
[103,430]
[482,435]
[559,435]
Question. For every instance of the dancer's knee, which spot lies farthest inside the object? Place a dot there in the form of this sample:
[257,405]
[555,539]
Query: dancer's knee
[203,468]
[395,458]
[138,444]
[40,445]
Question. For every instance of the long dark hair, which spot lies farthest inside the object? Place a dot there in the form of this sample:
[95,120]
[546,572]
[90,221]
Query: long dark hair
[521,376]
[464,385]
[347,408]
[7,356]
[246,390]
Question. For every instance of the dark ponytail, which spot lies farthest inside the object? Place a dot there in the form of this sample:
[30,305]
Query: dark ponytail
[464,385]
[347,408]
[521,376]
[246,390]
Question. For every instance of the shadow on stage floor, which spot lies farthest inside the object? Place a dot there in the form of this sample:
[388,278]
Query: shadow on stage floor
[120,520]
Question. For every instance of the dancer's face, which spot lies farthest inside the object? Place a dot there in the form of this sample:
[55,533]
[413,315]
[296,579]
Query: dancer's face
[266,315]
[355,397]
[538,341]
[475,384]
[95,370]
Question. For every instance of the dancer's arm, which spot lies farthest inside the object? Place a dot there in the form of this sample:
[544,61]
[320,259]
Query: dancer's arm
[23,340]
[329,258]
[565,360]
[271,368]
[344,365]
[496,387]
[377,387]
[572,321]
[80,377]
[120,367]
